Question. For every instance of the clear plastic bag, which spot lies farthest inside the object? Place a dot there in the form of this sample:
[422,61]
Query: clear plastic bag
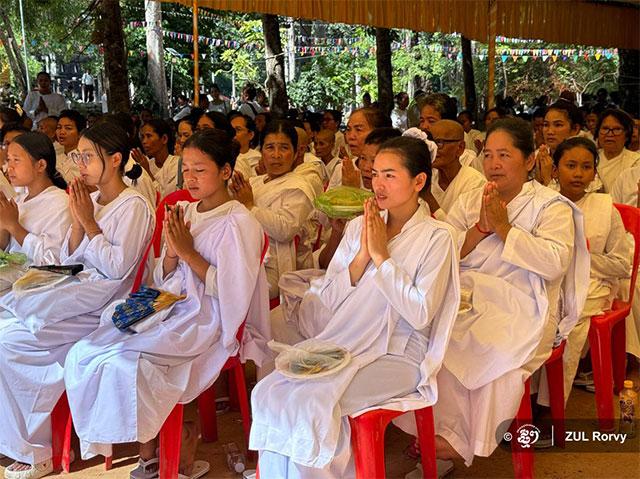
[344,202]
[36,280]
[12,267]
[310,359]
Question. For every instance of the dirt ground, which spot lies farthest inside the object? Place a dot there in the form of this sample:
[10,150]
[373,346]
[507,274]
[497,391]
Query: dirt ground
[552,464]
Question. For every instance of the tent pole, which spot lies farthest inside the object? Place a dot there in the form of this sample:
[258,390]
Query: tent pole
[491,53]
[196,69]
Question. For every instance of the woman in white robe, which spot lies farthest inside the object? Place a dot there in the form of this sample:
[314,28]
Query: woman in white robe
[281,200]
[392,289]
[575,162]
[109,232]
[215,262]
[614,131]
[625,191]
[156,138]
[36,221]
[518,241]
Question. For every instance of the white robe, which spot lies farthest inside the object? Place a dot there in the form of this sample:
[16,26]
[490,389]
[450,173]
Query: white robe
[247,162]
[609,170]
[143,376]
[509,331]
[610,262]
[404,308]
[625,191]
[46,324]
[467,179]
[281,206]
[166,177]
[46,217]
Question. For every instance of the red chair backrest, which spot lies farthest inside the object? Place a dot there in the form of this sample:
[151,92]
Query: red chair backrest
[631,219]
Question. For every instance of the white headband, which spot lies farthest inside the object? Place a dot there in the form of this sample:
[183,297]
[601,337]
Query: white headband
[421,135]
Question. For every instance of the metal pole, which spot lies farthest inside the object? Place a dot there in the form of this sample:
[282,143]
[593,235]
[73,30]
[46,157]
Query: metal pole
[196,70]
[171,83]
[24,46]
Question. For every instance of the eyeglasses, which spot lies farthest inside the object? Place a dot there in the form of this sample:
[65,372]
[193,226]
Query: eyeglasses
[612,131]
[80,158]
[442,141]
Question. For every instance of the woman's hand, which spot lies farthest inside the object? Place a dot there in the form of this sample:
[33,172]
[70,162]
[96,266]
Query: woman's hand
[350,174]
[496,211]
[9,215]
[544,166]
[141,159]
[178,236]
[242,190]
[81,206]
[376,234]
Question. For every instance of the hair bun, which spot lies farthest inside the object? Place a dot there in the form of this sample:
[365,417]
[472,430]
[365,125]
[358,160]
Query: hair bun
[134,173]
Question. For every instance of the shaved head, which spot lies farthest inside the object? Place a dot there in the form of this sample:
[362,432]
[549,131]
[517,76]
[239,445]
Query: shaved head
[447,129]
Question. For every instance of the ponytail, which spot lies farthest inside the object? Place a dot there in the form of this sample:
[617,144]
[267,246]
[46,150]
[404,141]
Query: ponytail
[134,173]
[58,180]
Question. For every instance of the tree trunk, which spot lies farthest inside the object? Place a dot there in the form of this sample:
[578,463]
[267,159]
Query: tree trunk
[115,57]
[471,100]
[383,65]
[629,71]
[155,55]
[7,38]
[274,57]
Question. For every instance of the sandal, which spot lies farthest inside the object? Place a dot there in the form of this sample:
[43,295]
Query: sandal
[146,469]
[36,471]
[200,468]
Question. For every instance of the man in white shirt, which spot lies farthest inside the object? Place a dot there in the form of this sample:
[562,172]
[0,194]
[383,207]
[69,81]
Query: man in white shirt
[182,108]
[42,102]
[450,177]
[249,106]
[399,113]
[87,87]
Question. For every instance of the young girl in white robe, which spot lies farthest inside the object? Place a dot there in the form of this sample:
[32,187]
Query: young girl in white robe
[36,221]
[212,255]
[575,161]
[280,200]
[109,232]
[518,241]
[392,289]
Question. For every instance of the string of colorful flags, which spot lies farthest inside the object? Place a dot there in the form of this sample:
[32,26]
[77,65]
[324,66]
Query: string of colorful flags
[348,45]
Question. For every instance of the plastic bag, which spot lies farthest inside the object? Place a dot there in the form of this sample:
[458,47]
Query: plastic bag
[342,202]
[11,259]
[36,280]
[310,359]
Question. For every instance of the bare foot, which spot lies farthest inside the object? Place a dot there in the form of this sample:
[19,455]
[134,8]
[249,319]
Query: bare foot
[19,466]
[190,436]
[444,450]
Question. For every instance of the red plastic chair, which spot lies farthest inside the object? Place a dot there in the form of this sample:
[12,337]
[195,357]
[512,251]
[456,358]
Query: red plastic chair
[367,441]
[555,382]
[171,431]
[607,334]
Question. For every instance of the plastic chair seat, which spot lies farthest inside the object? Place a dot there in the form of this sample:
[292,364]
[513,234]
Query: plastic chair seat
[367,441]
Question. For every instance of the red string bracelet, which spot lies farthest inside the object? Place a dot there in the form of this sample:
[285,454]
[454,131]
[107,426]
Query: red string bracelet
[481,230]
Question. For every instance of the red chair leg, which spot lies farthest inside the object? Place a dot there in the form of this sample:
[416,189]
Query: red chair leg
[61,434]
[108,463]
[243,399]
[234,404]
[207,413]
[600,344]
[522,458]
[619,355]
[555,382]
[170,439]
[426,437]
[367,443]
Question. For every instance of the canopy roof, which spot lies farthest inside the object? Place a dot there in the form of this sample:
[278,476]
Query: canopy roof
[582,22]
